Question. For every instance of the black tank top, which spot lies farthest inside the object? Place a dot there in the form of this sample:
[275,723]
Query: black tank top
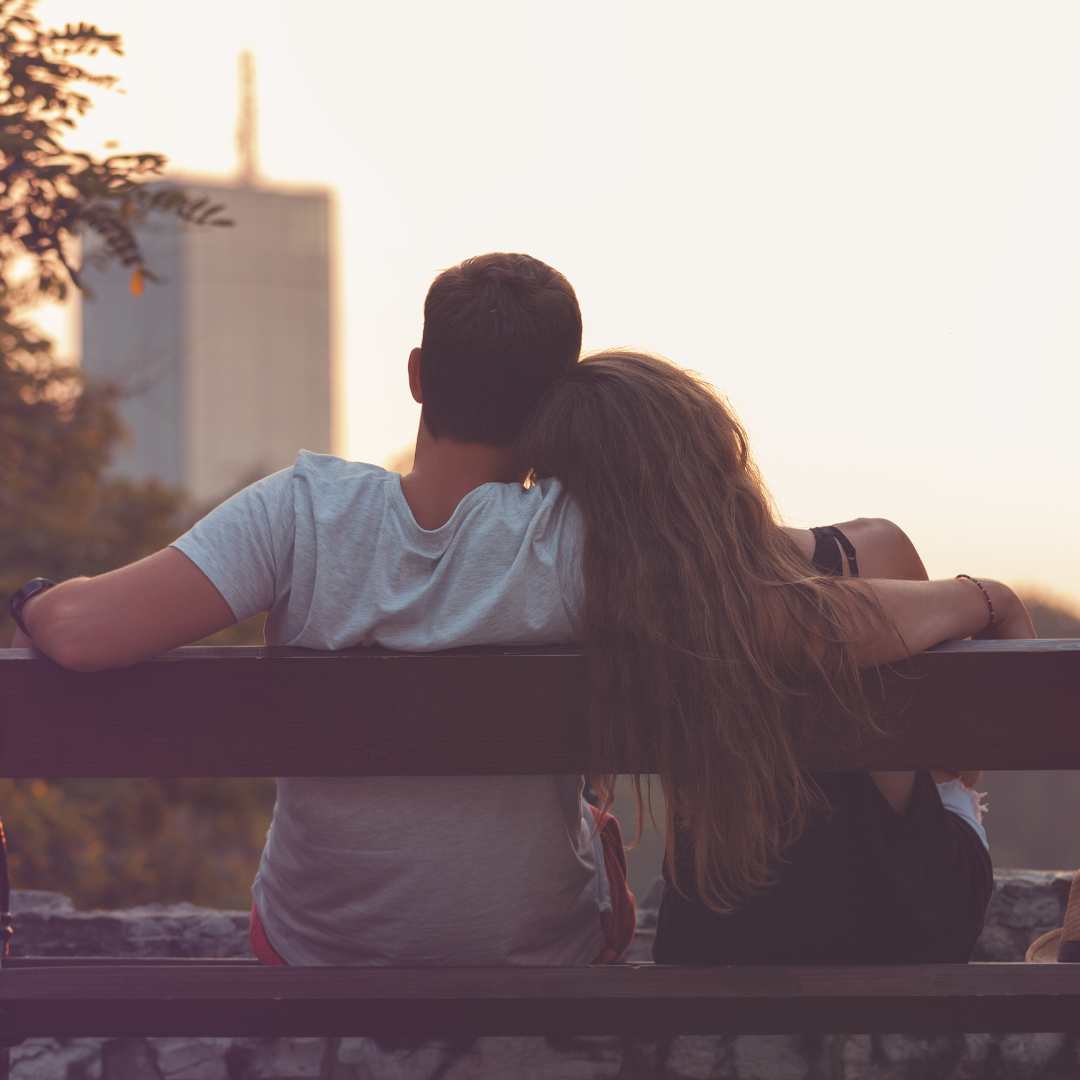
[867,886]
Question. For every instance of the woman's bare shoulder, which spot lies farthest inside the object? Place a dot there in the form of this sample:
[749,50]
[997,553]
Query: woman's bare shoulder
[884,549]
[804,540]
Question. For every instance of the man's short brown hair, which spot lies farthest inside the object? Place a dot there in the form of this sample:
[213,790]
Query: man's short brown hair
[499,329]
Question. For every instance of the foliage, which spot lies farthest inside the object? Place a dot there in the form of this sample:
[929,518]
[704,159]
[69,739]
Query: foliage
[1051,616]
[102,842]
[106,842]
[48,193]
[115,843]
[61,516]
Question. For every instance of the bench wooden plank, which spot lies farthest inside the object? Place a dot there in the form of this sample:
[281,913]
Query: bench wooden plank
[188,1000]
[253,712]
[294,712]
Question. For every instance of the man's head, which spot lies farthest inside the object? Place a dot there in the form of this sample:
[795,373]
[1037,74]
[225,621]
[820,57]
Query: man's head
[499,329]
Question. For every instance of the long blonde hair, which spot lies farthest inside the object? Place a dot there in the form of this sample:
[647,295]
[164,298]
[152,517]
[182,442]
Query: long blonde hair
[711,646]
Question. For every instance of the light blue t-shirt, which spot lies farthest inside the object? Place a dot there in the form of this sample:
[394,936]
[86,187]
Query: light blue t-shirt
[412,870]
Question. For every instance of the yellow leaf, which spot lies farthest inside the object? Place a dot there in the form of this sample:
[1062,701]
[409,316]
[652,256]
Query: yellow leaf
[137,282]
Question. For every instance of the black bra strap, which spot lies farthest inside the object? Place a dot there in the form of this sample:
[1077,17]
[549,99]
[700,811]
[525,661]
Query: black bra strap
[849,549]
[827,558]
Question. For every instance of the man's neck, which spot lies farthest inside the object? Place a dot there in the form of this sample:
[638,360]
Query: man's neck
[444,472]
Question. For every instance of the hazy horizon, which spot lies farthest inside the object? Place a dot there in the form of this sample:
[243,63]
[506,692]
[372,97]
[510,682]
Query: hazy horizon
[860,223]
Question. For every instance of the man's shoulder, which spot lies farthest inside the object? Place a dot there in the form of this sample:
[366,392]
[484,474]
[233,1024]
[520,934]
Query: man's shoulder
[310,464]
[540,504]
[334,479]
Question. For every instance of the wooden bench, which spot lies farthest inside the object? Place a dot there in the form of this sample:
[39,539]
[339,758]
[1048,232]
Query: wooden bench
[281,712]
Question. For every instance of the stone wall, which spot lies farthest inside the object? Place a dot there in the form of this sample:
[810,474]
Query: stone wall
[1025,904]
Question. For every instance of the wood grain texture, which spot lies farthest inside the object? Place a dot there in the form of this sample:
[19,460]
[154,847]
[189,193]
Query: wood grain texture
[257,712]
[194,1000]
[293,712]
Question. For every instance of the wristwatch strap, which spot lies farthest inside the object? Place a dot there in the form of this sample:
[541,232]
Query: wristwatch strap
[18,601]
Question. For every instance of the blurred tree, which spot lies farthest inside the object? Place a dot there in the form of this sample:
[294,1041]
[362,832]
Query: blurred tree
[60,516]
[1051,616]
[116,843]
[103,842]
[50,194]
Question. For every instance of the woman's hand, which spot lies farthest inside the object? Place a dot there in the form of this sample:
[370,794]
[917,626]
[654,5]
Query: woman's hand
[968,777]
[1011,619]
[920,614]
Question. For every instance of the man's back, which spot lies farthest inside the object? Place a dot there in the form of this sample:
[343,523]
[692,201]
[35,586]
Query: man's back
[453,870]
[456,870]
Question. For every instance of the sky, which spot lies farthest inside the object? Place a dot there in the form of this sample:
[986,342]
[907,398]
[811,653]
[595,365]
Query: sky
[860,221]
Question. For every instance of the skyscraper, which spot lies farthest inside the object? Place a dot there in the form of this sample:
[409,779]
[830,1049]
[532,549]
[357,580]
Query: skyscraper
[227,362]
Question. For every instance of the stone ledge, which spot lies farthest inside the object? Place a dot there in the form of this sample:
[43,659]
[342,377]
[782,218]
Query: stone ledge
[1025,904]
[741,1057]
[47,924]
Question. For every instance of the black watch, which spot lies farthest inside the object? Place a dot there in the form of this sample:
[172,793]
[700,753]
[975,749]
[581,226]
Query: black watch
[18,601]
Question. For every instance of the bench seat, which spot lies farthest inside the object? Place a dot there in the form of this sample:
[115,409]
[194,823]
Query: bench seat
[124,997]
[501,712]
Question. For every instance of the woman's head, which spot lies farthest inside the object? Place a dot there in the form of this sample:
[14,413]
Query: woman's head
[709,643]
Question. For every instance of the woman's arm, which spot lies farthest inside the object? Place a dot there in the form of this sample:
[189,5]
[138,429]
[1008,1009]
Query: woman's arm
[885,552]
[925,613]
[922,613]
[885,556]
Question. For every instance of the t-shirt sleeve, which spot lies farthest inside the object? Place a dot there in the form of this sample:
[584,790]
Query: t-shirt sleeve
[244,545]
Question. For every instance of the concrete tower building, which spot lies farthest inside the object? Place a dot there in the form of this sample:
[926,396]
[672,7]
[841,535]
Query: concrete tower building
[228,363]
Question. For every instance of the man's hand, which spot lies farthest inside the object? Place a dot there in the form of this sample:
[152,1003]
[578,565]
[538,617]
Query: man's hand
[125,616]
[21,640]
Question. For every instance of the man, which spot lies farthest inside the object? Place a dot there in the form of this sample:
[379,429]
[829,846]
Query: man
[464,870]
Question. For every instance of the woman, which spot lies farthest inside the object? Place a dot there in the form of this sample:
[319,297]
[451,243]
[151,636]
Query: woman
[714,649]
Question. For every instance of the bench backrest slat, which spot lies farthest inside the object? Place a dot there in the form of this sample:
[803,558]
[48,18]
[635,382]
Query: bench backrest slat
[292,712]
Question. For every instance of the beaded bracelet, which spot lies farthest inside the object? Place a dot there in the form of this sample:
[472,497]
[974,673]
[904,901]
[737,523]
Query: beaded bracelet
[986,597]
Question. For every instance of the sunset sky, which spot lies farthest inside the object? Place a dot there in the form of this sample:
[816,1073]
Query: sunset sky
[861,221]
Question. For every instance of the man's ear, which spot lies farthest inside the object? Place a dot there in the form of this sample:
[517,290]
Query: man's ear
[414,377]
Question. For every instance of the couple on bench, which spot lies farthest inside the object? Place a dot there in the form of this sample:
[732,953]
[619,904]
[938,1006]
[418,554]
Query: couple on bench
[610,501]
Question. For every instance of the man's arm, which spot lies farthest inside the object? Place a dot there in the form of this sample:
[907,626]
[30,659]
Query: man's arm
[166,601]
[128,615]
